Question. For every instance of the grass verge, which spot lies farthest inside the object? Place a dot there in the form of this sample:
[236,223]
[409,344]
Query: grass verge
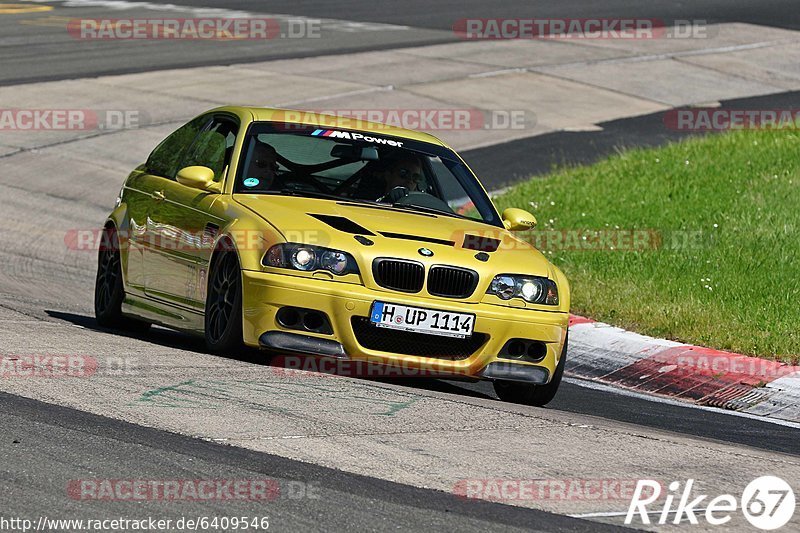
[697,241]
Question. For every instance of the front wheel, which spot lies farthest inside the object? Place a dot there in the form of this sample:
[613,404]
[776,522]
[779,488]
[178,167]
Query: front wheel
[223,322]
[109,291]
[536,395]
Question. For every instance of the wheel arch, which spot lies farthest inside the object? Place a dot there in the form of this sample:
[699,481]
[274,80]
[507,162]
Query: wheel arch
[118,221]
[232,335]
[224,244]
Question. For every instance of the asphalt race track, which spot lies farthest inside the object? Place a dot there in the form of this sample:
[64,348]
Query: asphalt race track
[40,50]
[377,455]
[421,14]
[341,501]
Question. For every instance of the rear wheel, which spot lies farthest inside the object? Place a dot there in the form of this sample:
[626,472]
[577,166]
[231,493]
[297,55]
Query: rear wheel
[223,321]
[109,292]
[527,394]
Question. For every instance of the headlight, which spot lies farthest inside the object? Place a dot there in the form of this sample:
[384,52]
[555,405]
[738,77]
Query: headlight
[334,261]
[535,290]
[504,287]
[532,289]
[303,258]
[306,257]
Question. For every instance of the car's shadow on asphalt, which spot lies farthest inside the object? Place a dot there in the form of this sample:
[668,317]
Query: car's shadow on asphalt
[182,341]
[462,388]
[157,335]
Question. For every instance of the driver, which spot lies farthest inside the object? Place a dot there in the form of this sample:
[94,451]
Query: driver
[401,176]
[263,166]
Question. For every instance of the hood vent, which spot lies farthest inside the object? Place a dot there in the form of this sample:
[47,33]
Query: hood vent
[416,238]
[480,244]
[342,224]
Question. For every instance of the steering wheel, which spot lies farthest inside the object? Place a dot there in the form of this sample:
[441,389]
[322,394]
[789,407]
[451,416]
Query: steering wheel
[395,195]
[304,178]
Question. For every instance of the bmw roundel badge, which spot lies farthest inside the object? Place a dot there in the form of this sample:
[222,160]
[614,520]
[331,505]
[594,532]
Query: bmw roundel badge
[425,252]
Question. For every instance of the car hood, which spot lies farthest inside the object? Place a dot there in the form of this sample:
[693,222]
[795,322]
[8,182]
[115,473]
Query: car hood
[397,233]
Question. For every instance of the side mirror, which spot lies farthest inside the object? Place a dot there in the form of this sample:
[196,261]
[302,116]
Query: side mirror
[198,178]
[518,219]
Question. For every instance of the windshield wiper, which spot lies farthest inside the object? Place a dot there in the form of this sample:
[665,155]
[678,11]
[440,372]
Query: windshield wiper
[307,194]
[423,209]
[322,195]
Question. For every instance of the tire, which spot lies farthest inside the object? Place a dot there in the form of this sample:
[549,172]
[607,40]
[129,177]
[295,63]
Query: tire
[109,292]
[223,317]
[536,395]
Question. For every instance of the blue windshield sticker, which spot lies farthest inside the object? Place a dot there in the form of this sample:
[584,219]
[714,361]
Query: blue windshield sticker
[251,182]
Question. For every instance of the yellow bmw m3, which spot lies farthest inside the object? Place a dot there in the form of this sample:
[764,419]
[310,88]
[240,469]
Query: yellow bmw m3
[347,240]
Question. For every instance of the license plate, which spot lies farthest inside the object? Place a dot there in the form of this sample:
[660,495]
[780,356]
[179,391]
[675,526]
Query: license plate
[420,320]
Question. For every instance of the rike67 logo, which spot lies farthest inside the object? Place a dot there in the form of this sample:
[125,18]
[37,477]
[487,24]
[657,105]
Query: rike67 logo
[767,502]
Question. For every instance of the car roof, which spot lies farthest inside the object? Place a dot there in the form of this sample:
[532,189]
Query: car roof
[299,116]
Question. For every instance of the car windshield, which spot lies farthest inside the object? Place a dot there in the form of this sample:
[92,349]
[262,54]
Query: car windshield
[353,166]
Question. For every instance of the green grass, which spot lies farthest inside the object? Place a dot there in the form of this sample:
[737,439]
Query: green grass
[736,288]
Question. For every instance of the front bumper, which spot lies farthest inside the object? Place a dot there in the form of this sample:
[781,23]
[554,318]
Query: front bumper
[264,293]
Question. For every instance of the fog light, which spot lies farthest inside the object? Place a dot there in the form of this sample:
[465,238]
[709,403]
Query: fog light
[537,351]
[288,317]
[313,321]
[516,348]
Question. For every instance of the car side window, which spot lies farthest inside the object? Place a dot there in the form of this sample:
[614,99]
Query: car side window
[213,147]
[164,160]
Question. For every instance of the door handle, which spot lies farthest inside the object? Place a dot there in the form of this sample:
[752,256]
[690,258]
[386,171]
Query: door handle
[158,196]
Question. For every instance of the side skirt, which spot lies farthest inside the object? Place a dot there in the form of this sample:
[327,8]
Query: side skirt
[164,314]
